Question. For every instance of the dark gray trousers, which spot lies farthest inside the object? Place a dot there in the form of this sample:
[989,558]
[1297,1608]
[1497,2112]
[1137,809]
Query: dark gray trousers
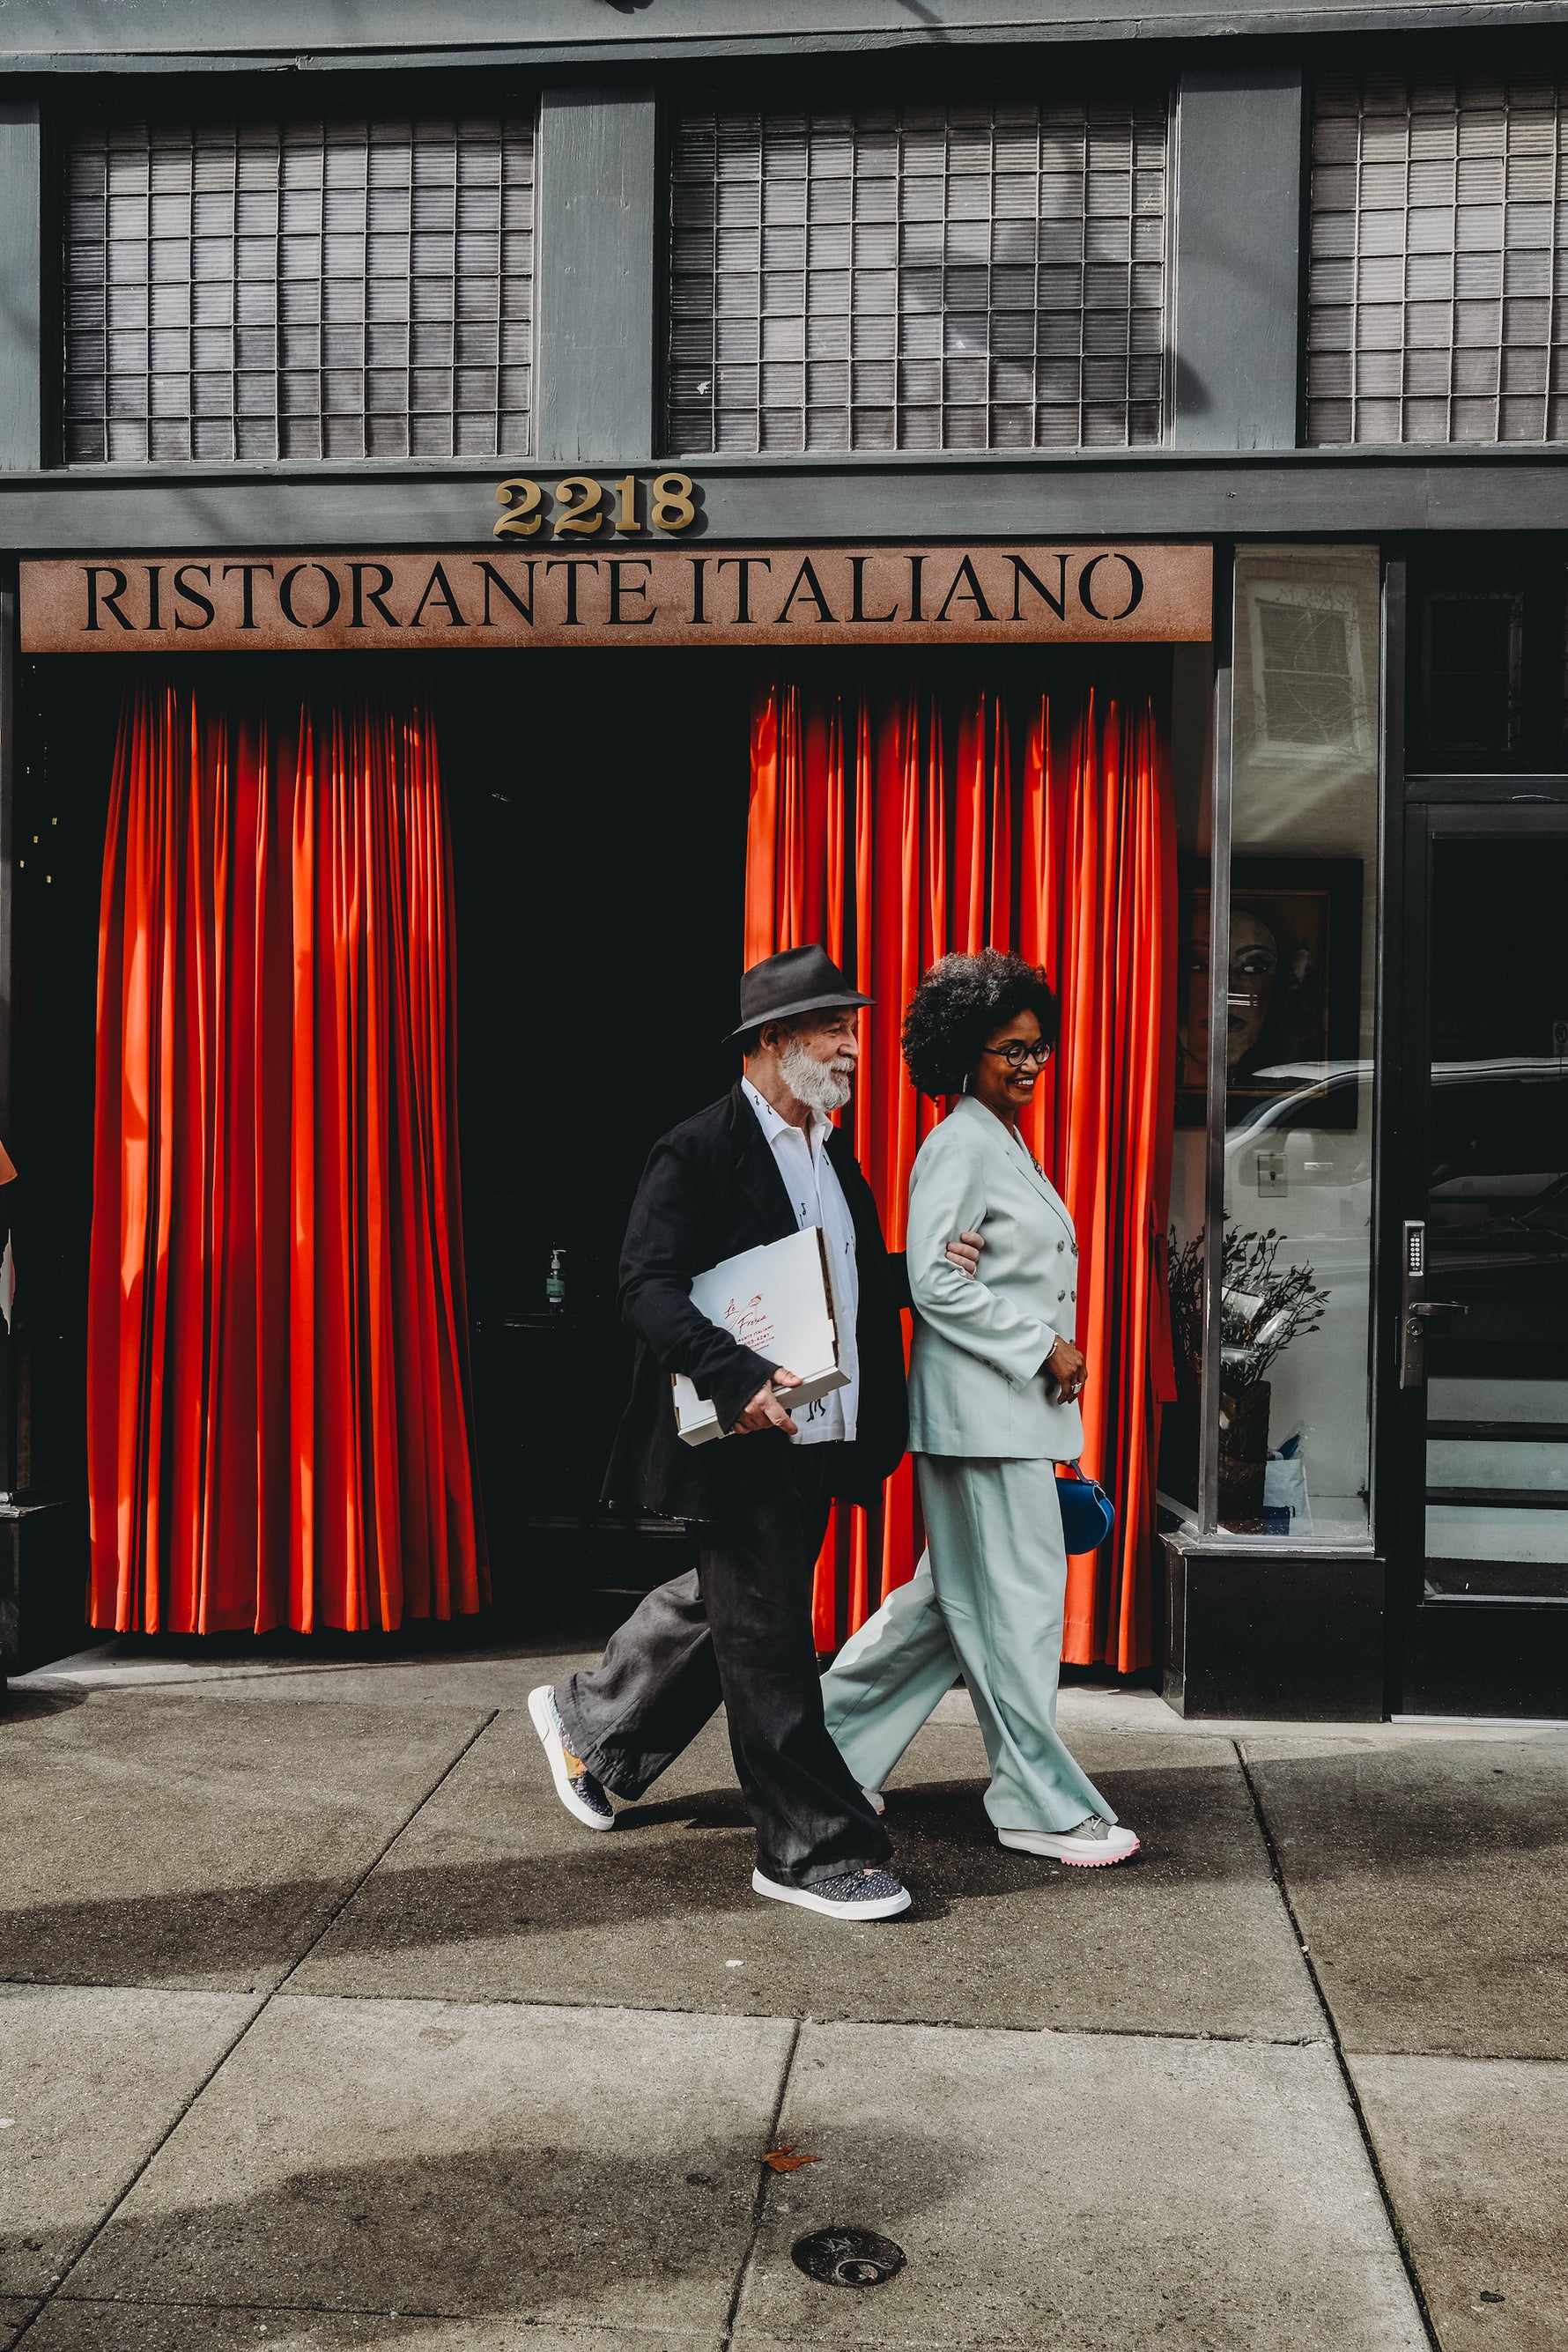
[737,1630]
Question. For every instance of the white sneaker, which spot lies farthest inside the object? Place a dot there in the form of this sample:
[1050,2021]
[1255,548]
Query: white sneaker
[858,1895]
[578,1791]
[1093,1843]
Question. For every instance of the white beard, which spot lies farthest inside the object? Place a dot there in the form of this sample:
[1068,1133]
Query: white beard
[822,1086]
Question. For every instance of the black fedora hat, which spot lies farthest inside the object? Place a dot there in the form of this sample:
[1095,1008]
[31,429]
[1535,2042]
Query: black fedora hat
[800,979]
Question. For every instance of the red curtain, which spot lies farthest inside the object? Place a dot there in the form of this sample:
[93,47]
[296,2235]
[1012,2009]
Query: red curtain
[893,820]
[279,1425]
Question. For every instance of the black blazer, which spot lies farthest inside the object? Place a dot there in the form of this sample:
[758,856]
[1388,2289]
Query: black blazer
[711,1188]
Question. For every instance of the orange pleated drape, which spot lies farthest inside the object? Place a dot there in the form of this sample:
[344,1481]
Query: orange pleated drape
[893,821]
[280,1419]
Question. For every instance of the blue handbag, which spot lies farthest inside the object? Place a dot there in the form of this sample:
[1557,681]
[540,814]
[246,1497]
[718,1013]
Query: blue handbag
[1088,1512]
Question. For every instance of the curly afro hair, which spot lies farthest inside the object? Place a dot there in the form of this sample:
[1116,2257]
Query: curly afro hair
[958,1004]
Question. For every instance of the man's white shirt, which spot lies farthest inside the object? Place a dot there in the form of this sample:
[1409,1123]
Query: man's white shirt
[817,1199]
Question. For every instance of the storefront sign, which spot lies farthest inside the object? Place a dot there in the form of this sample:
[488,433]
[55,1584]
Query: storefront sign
[687,595]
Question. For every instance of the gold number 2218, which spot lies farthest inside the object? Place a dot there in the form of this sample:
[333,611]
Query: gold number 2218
[579,505]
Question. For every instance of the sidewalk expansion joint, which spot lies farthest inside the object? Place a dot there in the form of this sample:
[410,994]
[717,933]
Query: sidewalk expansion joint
[798,2018]
[759,2202]
[802,2017]
[246,2303]
[642,2331]
[57,2285]
[1391,2212]
[103,1684]
[374,1865]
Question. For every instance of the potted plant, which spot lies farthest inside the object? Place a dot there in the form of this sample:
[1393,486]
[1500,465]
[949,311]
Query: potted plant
[1262,1310]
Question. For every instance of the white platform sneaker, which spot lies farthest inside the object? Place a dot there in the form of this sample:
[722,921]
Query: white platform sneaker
[578,1791]
[1093,1844]
[857,1894]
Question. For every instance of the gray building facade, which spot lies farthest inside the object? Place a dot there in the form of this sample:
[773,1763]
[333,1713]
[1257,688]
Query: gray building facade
[1285,282]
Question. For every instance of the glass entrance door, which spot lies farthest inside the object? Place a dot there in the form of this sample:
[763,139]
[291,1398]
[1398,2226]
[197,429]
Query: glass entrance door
[1483,1341]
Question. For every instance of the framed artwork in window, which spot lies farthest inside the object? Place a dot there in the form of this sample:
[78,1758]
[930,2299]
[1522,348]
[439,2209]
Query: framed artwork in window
[1294,1034]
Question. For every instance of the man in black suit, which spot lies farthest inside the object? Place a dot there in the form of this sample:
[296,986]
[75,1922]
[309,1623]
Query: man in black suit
[764,1162]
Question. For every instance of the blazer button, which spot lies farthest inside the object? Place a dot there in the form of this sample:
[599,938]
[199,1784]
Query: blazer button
[1075,1294]
[1061,1294]
[1075,1249]
[1062,1246]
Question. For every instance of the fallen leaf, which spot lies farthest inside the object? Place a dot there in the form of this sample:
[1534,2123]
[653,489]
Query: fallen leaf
[784,2159]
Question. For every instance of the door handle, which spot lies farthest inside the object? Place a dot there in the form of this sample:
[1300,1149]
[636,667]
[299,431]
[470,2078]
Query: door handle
[1415,1310]
[1412,1287]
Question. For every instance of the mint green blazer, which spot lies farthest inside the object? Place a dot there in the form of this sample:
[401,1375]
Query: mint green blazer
[975,1383]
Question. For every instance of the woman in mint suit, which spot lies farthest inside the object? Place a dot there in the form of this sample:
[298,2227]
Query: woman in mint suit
[994,1378]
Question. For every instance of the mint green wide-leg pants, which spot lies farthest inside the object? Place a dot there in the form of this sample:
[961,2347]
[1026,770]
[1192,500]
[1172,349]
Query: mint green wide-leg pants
[985,1602]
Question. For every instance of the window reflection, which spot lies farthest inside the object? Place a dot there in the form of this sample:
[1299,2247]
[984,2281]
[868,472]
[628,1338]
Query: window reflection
[1294,1417]
[1253,969]
[1309,696]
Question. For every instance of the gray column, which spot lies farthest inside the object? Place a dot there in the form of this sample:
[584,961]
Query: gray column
[1237,258]
[594,262]
[10,659]
[21,286]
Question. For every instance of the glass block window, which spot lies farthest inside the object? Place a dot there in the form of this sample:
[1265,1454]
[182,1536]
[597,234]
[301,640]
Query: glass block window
[298,289]
[1439,261]
[962,277]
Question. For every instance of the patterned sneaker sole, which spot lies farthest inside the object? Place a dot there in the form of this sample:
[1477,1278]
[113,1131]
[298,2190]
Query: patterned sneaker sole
[1071,1850]
[885,1906]
[549,1740]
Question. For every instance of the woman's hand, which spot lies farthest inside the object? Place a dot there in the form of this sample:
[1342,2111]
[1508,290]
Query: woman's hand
[765,1411]
[965,1254]
[1069,1368]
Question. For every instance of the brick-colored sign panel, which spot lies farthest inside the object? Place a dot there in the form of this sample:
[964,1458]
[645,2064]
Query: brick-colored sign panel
[1132,591]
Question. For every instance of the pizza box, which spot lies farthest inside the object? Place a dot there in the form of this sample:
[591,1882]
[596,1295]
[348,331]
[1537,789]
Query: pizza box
[777,1299]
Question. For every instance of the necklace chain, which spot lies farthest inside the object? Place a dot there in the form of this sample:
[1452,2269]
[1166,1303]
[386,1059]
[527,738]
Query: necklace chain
[1028,1154]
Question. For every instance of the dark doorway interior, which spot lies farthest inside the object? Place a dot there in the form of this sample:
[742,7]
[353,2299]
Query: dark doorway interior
[1482,1446]
[598,811]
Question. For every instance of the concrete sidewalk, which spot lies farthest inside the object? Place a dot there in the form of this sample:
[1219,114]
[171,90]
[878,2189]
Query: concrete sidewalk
[322,2025]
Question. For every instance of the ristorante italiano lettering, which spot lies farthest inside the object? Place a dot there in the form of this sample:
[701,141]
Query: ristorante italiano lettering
[1079,592]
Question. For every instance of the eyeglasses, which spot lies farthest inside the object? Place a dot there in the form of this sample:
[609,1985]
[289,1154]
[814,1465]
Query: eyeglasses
[1019,1051]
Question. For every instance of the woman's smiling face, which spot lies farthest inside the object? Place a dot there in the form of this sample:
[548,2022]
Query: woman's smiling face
[1009,1064]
